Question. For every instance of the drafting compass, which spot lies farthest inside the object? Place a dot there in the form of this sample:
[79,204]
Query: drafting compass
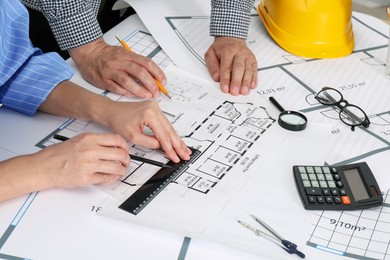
[288,246]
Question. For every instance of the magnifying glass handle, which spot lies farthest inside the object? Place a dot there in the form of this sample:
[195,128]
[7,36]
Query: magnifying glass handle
[276,104]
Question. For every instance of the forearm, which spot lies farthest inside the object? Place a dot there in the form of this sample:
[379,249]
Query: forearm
[20,175]
[71,100]
[82,160]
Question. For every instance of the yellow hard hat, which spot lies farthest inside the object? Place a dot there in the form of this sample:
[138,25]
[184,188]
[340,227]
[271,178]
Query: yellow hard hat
[310,28]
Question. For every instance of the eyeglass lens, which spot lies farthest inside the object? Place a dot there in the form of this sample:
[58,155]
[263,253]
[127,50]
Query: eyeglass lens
[329,96]
[352,115]
[349,114]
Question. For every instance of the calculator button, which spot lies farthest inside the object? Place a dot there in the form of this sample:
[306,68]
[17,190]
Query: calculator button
[315,184]
[323,184]
[326,187]
[313,191]
[310,169]
[332,184]
[345,200]
[329,199]
[329,177]
[304,176]
[320,200]
[337,199]
[312,199]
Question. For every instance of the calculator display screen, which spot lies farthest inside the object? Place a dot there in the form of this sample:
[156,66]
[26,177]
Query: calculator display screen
[356,184]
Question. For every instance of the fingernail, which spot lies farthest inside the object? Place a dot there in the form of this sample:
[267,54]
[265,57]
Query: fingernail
[148,95]
[253,85]
[235,90]
[225,88]
[244,90]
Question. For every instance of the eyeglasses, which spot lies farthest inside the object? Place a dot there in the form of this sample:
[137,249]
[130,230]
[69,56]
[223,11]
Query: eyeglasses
[351,115]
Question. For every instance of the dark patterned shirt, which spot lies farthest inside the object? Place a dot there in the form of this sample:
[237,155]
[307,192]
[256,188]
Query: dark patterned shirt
[74,22]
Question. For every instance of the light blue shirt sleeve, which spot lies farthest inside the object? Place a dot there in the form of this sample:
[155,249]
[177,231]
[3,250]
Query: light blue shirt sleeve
[27,76]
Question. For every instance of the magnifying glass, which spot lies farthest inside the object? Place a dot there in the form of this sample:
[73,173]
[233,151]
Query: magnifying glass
[290,120]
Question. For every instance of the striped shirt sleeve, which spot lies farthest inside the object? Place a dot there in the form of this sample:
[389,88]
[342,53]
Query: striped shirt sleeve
[26,75]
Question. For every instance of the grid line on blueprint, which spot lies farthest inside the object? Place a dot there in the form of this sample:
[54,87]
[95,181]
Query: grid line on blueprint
[144,44]
[362,234]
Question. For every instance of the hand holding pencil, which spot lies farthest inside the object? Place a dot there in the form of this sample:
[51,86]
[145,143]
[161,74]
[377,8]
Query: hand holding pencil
[160,86]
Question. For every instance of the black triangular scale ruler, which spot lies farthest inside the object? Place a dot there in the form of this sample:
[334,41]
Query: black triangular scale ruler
[150,189]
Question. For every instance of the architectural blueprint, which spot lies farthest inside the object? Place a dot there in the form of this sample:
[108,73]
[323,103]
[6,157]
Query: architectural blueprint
[363,234]
[293,80]
[246,156]
[228,131]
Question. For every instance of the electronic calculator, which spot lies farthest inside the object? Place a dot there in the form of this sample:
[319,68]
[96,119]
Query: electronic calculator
[346,187]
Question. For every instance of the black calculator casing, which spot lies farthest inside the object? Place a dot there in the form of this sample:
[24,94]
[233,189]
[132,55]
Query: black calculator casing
[354,183]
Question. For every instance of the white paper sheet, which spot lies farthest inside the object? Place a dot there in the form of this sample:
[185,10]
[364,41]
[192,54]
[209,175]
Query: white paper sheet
[74,219]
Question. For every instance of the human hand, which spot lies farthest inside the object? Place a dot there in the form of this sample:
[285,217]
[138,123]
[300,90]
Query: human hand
[116,69]
[232,63]
[83,160]
[125,118]
[129,119]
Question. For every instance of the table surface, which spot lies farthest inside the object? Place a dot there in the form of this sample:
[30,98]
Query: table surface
[62,215]
[378,12]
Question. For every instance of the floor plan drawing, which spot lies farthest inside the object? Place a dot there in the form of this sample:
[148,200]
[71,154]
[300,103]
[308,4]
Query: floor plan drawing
[294,81]
[235,135]
[361,234]
[224,131]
